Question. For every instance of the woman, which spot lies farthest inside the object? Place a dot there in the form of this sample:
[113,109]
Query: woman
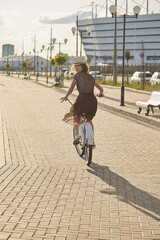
[86,102]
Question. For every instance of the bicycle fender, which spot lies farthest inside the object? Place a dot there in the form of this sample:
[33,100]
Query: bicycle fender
[82,134]
[89,133]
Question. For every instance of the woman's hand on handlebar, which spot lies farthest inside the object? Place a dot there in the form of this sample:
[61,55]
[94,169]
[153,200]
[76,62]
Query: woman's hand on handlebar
[100,95]
[64,99]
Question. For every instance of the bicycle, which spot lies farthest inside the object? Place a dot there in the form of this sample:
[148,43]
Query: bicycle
[86,144]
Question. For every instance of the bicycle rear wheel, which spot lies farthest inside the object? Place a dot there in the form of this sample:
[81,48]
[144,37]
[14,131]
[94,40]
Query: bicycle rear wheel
[88,154]
[79,148]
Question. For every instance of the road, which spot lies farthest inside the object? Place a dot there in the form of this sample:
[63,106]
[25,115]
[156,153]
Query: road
[48,192]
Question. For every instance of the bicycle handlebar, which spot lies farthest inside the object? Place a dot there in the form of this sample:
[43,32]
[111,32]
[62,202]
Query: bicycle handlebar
[96,95]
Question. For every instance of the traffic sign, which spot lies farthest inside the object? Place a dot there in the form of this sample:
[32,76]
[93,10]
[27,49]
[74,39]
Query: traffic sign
[142,55]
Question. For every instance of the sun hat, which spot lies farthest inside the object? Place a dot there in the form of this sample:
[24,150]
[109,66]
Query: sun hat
[80,60]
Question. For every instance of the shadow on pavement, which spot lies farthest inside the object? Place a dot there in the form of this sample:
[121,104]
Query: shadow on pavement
[126,192]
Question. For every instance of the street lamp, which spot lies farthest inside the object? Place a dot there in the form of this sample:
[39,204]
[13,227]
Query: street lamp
[22,61]
[136,11]
[60,43]
[75,29]
[37,63]
[48,48]
[89,31]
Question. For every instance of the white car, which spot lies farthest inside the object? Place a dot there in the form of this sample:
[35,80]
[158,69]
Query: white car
[138,76]
[155,79]
[97,74]
[68,74]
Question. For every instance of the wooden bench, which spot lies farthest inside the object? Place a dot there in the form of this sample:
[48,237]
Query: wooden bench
[154,101]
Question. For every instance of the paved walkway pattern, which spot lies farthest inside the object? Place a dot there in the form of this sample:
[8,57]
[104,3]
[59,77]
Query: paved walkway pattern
[48,192]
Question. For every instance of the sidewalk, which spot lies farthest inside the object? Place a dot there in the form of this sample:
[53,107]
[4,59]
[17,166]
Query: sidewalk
[111,101]
[47,191]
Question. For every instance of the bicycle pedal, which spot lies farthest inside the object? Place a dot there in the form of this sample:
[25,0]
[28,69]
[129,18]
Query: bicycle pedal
[75,142]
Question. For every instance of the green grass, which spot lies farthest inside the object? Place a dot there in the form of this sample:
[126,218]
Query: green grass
[68,78]
[137,86]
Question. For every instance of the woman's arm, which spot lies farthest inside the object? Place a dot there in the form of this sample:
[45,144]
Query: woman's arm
[70,90]
[99,88]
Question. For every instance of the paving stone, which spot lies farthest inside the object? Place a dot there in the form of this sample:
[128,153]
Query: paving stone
[46,189]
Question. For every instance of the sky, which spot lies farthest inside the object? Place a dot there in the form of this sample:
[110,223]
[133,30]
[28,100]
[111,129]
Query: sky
[20,20]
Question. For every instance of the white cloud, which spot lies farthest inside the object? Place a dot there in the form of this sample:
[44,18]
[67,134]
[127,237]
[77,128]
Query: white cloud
[60,17]
[7,17]
[15,12]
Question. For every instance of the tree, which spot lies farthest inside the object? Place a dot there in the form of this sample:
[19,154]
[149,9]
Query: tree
[127,57]
[105,59]
[60,60]
[89,60]
[24,64]
[52,62]
[7,66]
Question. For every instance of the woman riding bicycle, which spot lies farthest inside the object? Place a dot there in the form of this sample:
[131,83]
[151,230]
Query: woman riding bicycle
[86,102]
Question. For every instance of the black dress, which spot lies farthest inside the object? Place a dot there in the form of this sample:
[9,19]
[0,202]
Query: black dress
[86,102]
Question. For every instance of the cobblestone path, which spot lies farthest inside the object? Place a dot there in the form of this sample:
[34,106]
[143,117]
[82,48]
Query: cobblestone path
[48,192]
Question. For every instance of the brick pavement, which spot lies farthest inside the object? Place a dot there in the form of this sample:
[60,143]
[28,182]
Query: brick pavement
[47,191]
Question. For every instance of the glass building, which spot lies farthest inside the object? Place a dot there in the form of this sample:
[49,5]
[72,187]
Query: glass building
[7,49]
[142,35]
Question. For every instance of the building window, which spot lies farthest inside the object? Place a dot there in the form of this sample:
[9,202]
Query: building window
[153,57]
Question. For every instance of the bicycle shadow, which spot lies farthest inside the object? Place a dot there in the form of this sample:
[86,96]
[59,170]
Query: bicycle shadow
[127,192]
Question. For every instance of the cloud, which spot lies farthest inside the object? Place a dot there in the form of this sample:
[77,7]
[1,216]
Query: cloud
[1,19]
[61,18]
[7,17]
[15,13]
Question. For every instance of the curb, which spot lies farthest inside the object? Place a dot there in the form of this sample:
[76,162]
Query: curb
[120,112]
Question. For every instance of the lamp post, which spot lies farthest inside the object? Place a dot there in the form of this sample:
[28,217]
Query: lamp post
[75,31]
[60,43]
[48,48]
[12,65]
[136,11]
[22,61]
[37,63]
[89,31]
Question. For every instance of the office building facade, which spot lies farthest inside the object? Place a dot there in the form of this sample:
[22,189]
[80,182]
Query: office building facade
[142,36]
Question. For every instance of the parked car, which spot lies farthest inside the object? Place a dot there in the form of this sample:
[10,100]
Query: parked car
[155,79]
[137,77]
[68,74]
[97,73]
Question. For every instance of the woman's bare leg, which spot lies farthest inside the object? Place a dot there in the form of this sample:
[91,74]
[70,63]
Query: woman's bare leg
[76,127]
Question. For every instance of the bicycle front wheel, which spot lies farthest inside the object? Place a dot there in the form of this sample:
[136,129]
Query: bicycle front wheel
[80,150]
[88,154]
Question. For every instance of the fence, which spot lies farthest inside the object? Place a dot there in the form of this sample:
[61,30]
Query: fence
[108,69]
